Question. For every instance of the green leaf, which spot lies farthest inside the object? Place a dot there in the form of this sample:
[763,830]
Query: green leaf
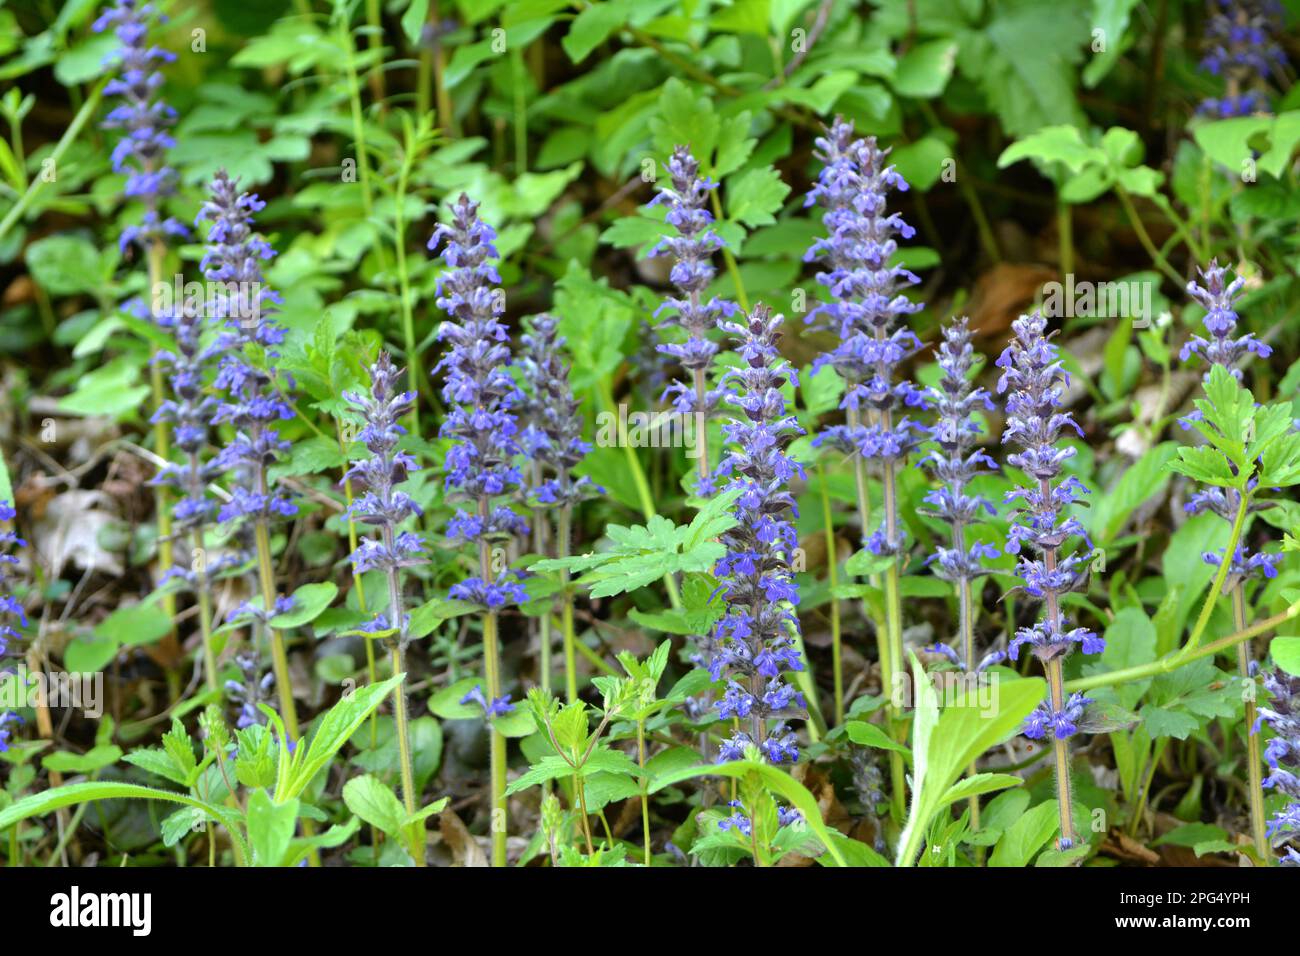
[374,802]
[309,601]
[47,801]
[270,828]
[137,624]
[1286,654]
[944,745]
[65,265]
[334,730]
[925,69]
[592,26]
[1139,483]
[777,781]
[755,195]
[1027,836]
[870,735]
[97,758]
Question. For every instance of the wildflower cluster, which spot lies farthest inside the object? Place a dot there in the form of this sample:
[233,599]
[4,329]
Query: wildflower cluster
[1282,714]
[866,305]
[1224,347]
[1034,380]
[752,645]
[10,609]
[190,412]
[686,196]
[381,505]
[143,119]
[553,436]
[254,401]
[955,461]
[482,397]
[1241,47]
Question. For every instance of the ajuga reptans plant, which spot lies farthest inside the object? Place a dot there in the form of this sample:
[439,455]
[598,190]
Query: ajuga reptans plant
[1224,346]
[482,425]
[753,645]
[552,441]
[253,400]
[384,507]
[1034,380]
[686,196]
[1282,714]
[865,313]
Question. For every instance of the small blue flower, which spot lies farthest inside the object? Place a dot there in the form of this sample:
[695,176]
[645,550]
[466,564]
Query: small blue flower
[1282,714]
[1241,48]
[11,611]
[496,708]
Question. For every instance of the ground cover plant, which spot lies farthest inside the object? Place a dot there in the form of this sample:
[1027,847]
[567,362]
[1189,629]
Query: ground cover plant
[662,433]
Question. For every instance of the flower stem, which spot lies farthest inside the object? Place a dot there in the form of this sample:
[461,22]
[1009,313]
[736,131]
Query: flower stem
[162,448]
[205,611]
[563,534]
[1061,749]
[397,620]
[645,784]
[279,659]
[1258,826]
[497,743]
[642,488]
[832,566]
[1216,588]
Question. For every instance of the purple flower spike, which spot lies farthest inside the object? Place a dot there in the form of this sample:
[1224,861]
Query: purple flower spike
[686,195]
[381,505]
[11,611]
[753,646]
[867,306]
[480,392]
[1282,714]
[1241,47]
[1222,347]
[1034,380]
[957,459]
[143,118]
[254,399]
[553,436]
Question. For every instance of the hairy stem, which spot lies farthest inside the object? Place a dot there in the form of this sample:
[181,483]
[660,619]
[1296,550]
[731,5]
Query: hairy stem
[1258,824]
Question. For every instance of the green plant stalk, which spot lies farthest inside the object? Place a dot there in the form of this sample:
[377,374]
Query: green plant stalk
[69,136]
[898,807]
[1061,753]
[375,41]
[357,583]
[162,448]
[1254,767]
[279,659]
[1127,675]
[642,487]
[1216,589]
[1144,793]
[414,374]
[1126,200]
[832,565]
[359,134]
[496,742]
[1056,690]
[1065,230]
[966,619]
[894,625]
[520,105]
[204,590]
[562,547]
[645,786]
[397,617]
[733,269]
